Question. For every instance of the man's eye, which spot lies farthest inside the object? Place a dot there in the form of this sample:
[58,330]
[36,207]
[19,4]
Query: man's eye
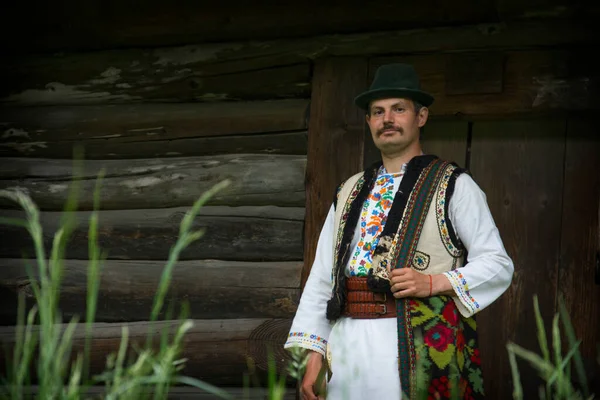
[399,109]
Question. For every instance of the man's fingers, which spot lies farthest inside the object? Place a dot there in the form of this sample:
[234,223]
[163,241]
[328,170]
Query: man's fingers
[401,271]
[307,392]
[404,293]
[397,286]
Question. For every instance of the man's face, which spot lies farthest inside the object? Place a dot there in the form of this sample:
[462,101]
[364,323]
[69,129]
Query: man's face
[395,124]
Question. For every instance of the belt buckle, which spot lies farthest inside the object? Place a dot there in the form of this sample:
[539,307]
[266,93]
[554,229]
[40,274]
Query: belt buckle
[380,301]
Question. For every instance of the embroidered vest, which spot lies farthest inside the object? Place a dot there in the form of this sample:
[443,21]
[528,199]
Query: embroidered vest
[438,248]
[435,342]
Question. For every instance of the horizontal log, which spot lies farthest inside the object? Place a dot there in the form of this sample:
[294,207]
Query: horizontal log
[95,24]
[164,81]
[241,234]
[139,122]
[513,82]
[119,148]
[121,75]
[211,288]
[217,351]
[168,182]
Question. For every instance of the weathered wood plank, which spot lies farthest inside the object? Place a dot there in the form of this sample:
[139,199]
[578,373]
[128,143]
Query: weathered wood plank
[524,196]
[580,241]
[212,289]
[216,350]
[119,75]
[95,24]
[155,183]
[335,141]
[484,73]
[534,82]
[116,148]
[149,80]
[241,233]
[447,140]
[138,122]
[576,10]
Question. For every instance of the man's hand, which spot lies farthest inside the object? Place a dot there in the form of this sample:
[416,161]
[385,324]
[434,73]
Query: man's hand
[313,367]
[406,282]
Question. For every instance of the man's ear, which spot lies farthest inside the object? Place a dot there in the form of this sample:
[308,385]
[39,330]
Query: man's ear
[423,115]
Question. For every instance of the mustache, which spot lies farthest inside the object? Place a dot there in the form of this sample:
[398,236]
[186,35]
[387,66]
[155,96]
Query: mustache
[387,127]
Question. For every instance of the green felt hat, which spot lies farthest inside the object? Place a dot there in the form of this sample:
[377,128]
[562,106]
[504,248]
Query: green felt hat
[394,80]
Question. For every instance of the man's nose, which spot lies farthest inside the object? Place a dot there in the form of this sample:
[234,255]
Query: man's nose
[387,116]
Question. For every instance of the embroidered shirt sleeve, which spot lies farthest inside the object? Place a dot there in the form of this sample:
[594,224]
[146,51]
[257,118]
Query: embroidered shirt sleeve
[308,341]
[310,328]
[461,288]
[488,270]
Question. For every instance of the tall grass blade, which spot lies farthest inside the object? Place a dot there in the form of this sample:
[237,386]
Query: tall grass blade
[516,376]
[93,278]
[541,330]
[572,340]
[182,242]
[556,345]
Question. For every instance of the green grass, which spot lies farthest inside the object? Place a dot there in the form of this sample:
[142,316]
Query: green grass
[554,367]
[43,345]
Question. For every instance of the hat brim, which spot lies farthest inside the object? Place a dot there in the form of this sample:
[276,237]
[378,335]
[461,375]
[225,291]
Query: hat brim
[363,100]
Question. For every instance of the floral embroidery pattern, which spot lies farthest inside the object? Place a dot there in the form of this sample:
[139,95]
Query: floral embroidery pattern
[440,207]
[460,286]
[307,341]
[372,221]
[346,211]
[446,347]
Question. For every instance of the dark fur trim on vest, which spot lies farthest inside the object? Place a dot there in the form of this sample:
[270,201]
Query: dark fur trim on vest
[338,300]
[449,192]
[335,196]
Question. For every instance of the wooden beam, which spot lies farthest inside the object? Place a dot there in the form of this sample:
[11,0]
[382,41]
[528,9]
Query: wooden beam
[156,183]
[152,130]
[546,9]
[211,288]
[120,148]
[147,79]
[112,24]
[335,141]
[216,350]
[580,241]
[123,75]
[534,82]
[139,122]
[238,233]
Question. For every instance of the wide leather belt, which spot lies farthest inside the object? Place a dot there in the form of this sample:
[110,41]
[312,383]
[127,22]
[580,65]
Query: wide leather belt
[361,303]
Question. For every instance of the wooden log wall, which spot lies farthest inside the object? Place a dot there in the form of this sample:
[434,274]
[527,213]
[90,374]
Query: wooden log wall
[165,126]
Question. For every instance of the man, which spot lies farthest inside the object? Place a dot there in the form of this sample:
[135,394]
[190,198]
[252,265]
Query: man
[408,253]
